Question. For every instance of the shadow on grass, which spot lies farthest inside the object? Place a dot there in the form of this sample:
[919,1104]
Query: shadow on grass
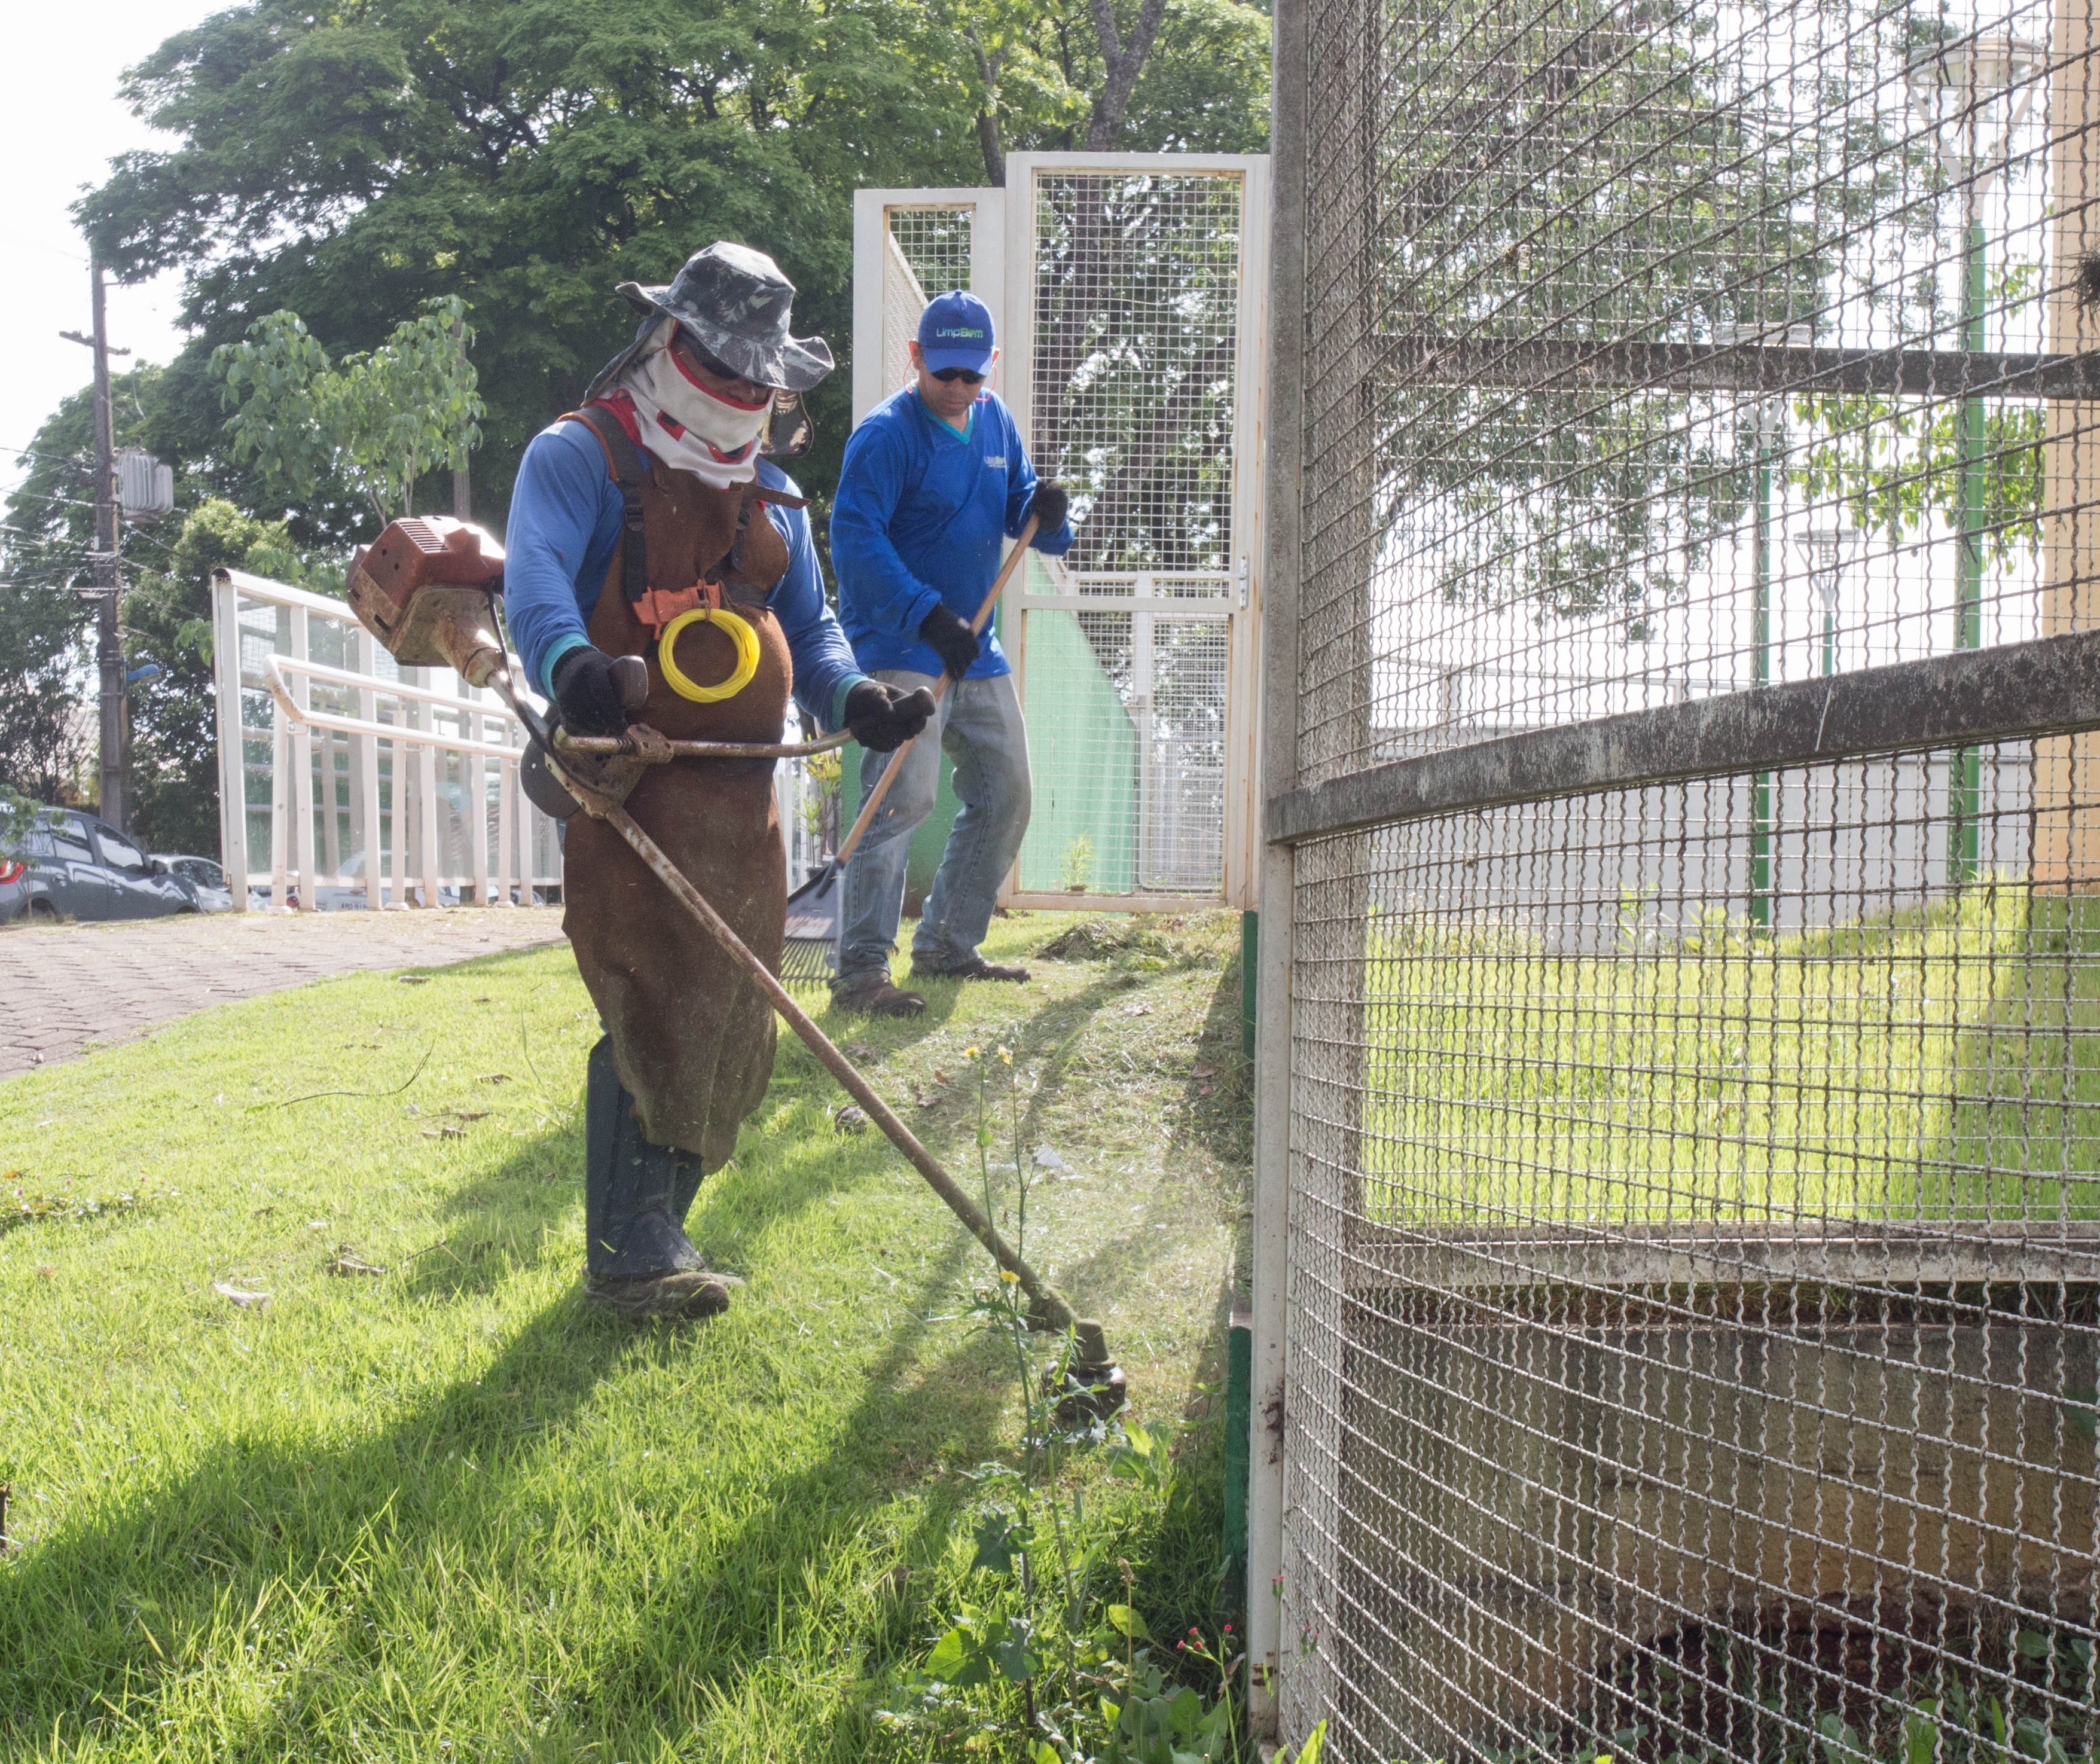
[128,1615]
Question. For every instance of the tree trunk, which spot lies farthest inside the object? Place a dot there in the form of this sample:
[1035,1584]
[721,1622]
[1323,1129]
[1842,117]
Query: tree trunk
[1123,63]
[988,141]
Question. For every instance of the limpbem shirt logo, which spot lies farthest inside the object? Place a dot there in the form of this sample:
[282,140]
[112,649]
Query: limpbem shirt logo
[996,459]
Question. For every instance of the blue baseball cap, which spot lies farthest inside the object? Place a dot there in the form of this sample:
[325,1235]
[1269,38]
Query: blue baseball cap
[955,331]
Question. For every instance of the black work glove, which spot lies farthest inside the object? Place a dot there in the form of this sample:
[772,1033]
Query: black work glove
[950,638]
[1048,505]
[882,719]
[588,687]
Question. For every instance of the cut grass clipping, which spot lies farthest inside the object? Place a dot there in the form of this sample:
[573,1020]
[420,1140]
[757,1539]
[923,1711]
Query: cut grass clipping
[404,1499]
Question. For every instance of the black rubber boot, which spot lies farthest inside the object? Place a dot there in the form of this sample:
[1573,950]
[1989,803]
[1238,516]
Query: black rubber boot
[639,1262]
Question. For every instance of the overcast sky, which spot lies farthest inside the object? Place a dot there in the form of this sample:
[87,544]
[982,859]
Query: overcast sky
[58,129]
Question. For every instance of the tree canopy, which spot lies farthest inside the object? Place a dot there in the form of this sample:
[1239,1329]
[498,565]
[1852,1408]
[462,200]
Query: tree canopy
[353,164]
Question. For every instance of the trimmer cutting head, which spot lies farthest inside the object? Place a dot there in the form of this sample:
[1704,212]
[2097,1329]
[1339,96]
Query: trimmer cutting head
[1094,1387]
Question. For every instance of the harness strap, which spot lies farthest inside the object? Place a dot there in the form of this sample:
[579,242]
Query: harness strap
[623,460]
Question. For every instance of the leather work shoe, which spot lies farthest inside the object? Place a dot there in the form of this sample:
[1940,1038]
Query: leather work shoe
[675,1295]
[871,994]
[977,967]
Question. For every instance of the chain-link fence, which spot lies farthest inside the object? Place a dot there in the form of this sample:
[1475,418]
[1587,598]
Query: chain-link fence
[1688,1319]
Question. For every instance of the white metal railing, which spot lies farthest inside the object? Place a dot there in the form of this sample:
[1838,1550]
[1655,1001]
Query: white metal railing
[358,777]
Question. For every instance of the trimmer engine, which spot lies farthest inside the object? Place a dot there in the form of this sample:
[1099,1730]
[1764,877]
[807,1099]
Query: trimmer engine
[426,588]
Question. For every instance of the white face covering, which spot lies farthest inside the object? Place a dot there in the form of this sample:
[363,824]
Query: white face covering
[688,427]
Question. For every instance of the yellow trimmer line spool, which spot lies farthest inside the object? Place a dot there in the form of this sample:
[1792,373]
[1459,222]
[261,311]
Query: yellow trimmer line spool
[747,656]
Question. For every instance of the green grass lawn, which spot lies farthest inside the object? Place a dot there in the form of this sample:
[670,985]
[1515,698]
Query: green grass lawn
[1920,1066]
[441,1512]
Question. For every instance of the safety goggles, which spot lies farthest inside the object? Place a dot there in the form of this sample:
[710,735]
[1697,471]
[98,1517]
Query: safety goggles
[683,345]
[949,376]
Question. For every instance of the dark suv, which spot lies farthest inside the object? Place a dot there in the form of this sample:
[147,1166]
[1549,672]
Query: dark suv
[69,865]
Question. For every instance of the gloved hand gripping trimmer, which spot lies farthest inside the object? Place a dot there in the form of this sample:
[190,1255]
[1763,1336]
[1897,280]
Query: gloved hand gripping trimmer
[427,589]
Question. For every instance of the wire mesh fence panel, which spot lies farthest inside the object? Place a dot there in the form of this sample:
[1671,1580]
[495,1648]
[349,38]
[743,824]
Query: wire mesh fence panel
[1135,370]
[1128,748]
[1698,1324]
[1662,349]
[929,253]
[1135,402]
[1694,1239]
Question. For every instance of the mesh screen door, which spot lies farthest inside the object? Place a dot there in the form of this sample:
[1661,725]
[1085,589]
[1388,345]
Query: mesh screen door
[1135,283]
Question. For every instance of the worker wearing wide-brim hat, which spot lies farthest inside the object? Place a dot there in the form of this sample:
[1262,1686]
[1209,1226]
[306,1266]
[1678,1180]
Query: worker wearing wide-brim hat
[634,530]
[935,480]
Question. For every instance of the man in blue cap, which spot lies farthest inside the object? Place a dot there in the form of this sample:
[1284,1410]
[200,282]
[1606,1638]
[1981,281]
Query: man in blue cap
[934,479]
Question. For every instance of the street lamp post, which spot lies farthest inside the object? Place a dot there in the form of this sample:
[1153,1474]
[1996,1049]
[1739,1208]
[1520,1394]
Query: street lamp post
[1973,95]
[1827,549]
[1770,434]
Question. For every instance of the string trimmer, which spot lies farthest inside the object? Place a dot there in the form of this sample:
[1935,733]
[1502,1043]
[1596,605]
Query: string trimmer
[426,590]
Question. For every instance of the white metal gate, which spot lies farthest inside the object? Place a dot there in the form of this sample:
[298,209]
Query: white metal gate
[1129,295]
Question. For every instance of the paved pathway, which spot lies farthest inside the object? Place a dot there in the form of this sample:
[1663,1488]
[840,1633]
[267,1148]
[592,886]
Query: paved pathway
[62,986]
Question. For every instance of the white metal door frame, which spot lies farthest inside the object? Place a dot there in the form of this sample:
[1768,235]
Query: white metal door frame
[1239,878]
[1002,245]
[871,245]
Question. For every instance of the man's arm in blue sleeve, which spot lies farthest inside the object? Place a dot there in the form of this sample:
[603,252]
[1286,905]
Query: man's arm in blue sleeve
[555,509]
[1020,489]
[825,671]
[873,579]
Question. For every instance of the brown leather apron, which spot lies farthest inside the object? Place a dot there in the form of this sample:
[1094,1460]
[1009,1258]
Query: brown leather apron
[691,1036]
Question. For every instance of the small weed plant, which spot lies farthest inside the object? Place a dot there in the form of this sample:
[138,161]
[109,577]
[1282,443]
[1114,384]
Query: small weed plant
[1048,1661]
[1076,869]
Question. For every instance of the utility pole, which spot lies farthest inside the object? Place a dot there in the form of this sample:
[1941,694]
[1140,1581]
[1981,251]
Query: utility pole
[108,648]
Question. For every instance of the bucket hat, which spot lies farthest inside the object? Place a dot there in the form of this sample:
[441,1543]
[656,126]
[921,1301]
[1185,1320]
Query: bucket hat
[733,303]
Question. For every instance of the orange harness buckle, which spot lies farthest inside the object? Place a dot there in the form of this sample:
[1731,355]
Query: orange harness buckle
[659,607]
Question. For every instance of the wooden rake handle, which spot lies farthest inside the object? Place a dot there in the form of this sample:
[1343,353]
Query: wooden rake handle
[851,843]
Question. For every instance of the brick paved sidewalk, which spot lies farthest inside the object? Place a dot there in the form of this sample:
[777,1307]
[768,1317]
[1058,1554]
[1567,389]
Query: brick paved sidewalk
[62,986]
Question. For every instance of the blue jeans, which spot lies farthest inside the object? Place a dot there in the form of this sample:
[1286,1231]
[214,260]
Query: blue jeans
[979,724]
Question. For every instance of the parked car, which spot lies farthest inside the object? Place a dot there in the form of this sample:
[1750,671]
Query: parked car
[199,878]
[75,867]
[19,887]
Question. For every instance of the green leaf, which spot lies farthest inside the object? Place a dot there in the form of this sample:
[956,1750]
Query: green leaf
[951,1654]
[1007,1646]
[1316,1742]
[1128,1623]
[997,1539]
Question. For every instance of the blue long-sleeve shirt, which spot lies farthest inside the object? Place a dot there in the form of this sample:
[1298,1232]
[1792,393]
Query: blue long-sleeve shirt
[917,524]
[564,527]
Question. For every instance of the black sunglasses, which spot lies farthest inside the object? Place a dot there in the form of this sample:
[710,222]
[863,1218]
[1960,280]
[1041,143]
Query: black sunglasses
[949,376]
